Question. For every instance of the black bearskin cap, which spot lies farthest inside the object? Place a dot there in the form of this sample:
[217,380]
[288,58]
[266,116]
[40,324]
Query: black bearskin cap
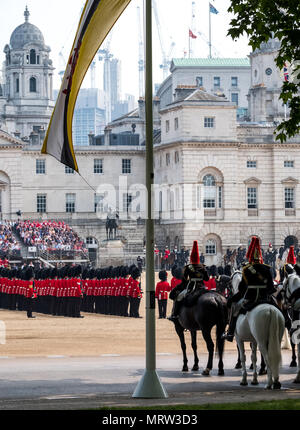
[178,273]
[227,270]
[220,271]
[29,273]
[135,273]
[163,275]
[213,270]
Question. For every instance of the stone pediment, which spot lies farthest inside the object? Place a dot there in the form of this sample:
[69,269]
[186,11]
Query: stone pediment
[289,180]
[9,141]
[252,180]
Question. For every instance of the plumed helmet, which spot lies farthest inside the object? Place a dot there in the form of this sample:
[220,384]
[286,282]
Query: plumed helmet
[163,275]
[254,254]
[291,259]
[195,258]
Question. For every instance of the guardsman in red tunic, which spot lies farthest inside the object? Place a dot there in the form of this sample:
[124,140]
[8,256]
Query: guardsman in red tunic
[177,274]
[31,292]
[135,292]
[161,293]
[77,291]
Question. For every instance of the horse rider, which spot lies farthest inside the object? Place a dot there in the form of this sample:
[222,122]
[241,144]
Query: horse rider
[194,275]
[256,287]
[297,264]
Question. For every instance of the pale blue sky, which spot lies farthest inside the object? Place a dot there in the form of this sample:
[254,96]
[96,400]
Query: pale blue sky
[58,20]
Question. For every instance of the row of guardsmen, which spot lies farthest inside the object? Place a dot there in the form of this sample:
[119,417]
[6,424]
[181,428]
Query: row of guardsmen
[68,290]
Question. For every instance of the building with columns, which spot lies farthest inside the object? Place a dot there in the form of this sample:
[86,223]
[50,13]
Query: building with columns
[218,180]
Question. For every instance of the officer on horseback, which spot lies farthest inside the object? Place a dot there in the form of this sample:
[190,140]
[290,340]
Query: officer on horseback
[256,287]
[194,276]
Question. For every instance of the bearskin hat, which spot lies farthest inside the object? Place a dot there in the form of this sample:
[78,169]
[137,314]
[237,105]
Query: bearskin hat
[163,275]
[178,273]
[213,270]
[29,273]
[91,274]
[135,273]
[220,270]
[227,270]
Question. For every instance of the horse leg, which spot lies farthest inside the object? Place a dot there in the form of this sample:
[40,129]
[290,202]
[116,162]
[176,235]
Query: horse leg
[241,347]
[180,333]
[263,370]
[264,352]
[238,363]
[194,346]
[210,348]
[254,359]
[220,346]
[294,361]
[297,379]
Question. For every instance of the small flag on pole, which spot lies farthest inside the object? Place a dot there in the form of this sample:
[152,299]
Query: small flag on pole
[97,19]
[192,35]
[212,9]
[285,73]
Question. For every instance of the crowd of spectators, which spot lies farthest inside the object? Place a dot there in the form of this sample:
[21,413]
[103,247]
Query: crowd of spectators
[49,236]
[9,246]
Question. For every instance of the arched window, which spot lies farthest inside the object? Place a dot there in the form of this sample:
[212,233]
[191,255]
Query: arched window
[32,85]
[210,191]
[32,56]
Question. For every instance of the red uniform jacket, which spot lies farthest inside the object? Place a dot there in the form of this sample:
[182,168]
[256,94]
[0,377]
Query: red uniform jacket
[162,289]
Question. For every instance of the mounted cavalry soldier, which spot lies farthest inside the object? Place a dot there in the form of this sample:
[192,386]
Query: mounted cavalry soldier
[291,283]
[194,275]
[256,287]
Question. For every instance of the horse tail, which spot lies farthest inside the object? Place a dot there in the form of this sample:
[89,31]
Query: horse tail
[275,336]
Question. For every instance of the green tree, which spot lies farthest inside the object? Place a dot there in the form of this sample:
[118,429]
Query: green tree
[261,20]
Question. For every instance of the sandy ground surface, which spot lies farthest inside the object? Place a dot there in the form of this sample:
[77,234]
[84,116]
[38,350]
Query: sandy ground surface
[89,336]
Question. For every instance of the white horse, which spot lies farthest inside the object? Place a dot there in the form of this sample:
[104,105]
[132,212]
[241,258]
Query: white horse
[263,326]
[291,286]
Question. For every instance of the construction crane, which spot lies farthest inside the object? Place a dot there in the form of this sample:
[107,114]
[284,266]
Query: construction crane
[105,55]
[141,61]
[93,73]
[215,51]
[62,65]
[165,57]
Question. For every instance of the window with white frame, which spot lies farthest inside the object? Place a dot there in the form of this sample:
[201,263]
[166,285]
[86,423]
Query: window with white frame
[176,157]
[167,126]
[126,166]
[41,203]
[235,98]
[209,198]
[220,197]
[210,247]
[289,198]
[127,200]
[209,122]
[70,202]
[176,123]
[69,170]
[252,197]
[98,203]
[167,159]
[234,81]
[217,81]
[40,167]
[98,166]
[251,164]
[288,163]
[199,81]
[32,85]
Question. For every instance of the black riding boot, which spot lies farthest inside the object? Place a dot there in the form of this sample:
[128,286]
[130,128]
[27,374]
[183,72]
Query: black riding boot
[231,329]
[175,311]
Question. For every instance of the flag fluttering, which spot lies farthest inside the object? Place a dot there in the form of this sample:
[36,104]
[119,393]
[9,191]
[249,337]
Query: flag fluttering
[192,35]
[212,9]
[97,19]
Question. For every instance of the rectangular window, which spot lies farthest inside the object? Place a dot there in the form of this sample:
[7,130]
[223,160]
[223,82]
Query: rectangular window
[251,164]
[41,203]
[70,203]
[126,166]
[98,166]
[220,197]
[98,203]
[40,167]
[289,198]
[167,126]
[199,81]
[209,203]
[210,247]
[235,98]
[17,85]
[217,81]
[127,200]
[252,198]
[69,170]
[288,163]
[167,159]
[234,81]
[209,122]
[176,123]
[176,157]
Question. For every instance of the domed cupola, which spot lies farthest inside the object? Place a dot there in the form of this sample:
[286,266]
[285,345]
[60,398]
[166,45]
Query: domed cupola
[26,33]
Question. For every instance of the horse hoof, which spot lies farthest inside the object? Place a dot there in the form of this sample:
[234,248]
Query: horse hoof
[206,372]
[262,372]
[185,369]
[195,368]
[276,385]
[238,366]
[221,372]
[243,384]
[268,387]
[254,382]
[293,364]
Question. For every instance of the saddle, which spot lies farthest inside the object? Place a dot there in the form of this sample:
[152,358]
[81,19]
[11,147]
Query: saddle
[192,297]
[249,306]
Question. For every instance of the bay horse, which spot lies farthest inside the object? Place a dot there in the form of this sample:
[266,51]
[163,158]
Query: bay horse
[209,310]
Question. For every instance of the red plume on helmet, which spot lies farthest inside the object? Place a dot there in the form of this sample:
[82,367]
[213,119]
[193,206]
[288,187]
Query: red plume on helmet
[195,259]
[254,252]
[291,259]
